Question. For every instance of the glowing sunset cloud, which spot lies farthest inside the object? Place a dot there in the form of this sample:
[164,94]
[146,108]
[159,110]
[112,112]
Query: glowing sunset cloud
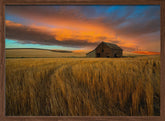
[84,27]
[30,34]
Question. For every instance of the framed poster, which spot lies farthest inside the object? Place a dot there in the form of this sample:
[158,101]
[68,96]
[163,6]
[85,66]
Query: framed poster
[82,60]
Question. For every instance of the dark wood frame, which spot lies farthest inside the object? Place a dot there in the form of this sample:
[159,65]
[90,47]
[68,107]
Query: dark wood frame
[80,2]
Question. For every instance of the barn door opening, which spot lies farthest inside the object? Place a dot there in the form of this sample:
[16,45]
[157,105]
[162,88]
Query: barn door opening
[98,54]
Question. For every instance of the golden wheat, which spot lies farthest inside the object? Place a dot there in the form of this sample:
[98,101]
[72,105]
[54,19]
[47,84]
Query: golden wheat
[83,86]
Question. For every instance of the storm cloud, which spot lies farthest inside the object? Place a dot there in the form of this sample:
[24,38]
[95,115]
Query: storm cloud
[32,35]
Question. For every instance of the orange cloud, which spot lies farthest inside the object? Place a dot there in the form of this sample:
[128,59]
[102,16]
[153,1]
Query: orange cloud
[62,36]
[10,23]
[89,35]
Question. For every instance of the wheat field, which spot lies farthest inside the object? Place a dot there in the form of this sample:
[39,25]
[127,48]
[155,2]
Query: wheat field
[83,86]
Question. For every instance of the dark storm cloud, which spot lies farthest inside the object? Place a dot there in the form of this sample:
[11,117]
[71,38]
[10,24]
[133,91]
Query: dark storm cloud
[144,24]
[126,20]
[31,35]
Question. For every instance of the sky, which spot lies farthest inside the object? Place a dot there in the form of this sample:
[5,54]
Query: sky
[133,28]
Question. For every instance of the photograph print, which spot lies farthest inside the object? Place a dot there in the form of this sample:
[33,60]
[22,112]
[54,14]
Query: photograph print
[95,60]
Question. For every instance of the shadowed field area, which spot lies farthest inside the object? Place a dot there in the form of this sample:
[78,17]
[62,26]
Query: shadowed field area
[83,86]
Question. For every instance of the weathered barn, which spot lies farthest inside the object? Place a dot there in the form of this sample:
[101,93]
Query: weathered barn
[105,49]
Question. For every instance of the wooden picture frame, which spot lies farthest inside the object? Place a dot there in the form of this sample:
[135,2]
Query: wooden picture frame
[79,2]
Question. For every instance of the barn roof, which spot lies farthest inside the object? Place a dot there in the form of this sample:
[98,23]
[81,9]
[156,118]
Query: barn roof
[112,46]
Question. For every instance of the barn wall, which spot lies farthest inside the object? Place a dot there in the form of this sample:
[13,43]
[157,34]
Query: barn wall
[118,53]
[105,51]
